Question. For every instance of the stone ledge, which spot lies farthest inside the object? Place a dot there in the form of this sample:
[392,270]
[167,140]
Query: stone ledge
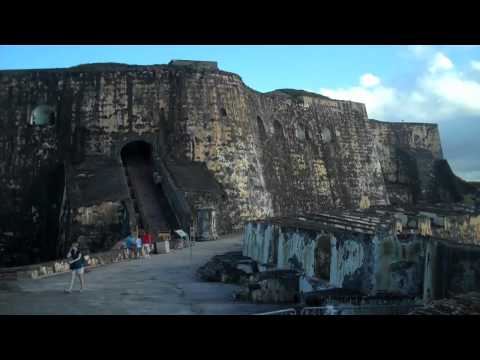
[37,271]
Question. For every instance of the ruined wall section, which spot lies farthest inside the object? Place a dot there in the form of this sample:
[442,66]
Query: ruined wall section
[294,168]
[450,269]
[408,153]
[212,124]
[317,154]
[117,107]
[351,152]
[31,167]
[25,149]
[272,154]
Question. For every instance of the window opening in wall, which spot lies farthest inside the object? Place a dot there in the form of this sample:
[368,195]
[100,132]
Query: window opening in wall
[162,116]
[261,129]
[223,112]
[300,132]
[43,115]
[278,129]
[307,134]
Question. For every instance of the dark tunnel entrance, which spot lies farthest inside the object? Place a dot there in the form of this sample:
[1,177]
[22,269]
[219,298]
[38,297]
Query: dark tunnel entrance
[137,151]
[152,209]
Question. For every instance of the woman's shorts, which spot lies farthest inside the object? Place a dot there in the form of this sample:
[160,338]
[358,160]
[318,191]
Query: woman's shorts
[78,271]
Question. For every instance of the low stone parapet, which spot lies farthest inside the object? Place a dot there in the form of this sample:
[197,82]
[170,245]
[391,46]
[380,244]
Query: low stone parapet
[61,266]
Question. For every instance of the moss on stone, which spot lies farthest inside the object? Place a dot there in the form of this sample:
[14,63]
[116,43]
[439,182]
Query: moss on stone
[296,94]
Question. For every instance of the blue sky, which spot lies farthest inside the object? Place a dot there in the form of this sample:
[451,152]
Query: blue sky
[411,83]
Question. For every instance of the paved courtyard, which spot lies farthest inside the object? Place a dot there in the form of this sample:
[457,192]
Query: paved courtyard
[163,284]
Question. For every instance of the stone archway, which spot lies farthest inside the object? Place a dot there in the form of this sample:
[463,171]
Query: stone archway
[137,149]
[150,139]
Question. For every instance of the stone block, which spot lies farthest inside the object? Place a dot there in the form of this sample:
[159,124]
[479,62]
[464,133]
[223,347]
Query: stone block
[163,247]
[247,268]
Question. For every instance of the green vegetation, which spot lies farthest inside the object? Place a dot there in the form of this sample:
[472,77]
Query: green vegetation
[99,67]
[469,200]
[296,94]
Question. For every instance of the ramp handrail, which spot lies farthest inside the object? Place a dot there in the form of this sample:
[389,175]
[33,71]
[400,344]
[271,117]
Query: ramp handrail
[290,311]
[343,310]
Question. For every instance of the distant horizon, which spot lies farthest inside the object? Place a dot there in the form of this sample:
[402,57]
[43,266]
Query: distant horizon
[419,84]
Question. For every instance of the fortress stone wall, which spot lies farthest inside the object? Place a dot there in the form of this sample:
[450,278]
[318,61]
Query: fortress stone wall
[272,153]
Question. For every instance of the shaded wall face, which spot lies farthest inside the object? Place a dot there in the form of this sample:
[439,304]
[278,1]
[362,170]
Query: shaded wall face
[204,214]
[29,221]
[408,155]
[31,183]
[101,210]
[399,264]
[351,264]
[451,269]
[379,263]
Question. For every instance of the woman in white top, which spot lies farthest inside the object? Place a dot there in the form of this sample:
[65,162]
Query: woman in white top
[138,241]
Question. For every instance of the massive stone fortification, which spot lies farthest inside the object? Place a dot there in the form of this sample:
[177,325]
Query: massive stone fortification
[222,153]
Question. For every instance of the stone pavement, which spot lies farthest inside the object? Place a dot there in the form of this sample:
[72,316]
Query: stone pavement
[163,284]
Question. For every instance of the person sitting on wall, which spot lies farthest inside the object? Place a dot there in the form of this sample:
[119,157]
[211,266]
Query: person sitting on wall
[147,243]
[77,264]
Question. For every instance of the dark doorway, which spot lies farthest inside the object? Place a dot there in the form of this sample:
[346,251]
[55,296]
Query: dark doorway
[137,151]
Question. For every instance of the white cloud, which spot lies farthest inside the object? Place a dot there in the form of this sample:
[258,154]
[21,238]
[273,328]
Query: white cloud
[470,175]
[454,90]
[440,93]
[420,51]
[369,80]
[475,65]
[440,62]
[375,96]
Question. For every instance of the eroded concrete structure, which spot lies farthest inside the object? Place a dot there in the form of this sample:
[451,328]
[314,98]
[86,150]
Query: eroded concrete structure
[372,251]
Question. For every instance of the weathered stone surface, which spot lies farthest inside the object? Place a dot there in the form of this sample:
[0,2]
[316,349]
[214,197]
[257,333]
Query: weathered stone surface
[228,268]
[371,251]
[271,287]
[62,266]
[271,154]
[464,304]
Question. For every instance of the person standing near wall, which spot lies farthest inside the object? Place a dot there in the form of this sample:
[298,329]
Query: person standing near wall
[77,264]
[138,242]
[147,243]
[131,246]
[126,246]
